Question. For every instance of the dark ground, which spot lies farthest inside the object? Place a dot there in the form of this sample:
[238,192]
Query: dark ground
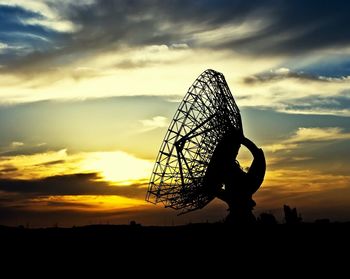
[176,251]
[174,237]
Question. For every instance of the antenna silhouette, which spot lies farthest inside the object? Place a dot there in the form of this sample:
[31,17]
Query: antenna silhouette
[206,113]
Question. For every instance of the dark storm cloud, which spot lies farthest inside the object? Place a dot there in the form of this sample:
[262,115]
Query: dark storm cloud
[297,27]
[287,27]
[152,22]
[106,25]
[74,184]
[292,26]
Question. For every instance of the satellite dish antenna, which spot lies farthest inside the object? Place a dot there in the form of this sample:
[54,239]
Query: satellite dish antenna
[206,113]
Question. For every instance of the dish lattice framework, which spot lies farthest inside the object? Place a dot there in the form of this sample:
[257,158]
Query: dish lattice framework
[207,111]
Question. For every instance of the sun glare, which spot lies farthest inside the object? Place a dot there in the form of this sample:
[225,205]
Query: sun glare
[118,167]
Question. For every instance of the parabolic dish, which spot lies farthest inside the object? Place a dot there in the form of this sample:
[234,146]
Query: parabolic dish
[205,114]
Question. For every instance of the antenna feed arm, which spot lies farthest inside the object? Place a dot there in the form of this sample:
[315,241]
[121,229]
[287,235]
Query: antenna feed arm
[250,145]
[257,169]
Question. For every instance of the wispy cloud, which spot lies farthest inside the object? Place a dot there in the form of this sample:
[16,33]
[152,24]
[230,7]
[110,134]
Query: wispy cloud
[49,16]
[318,134]
[309,135]
[285,73]
[154,123]
[338,104]
[34,166]
[16,144]
[304,181]
[291,92]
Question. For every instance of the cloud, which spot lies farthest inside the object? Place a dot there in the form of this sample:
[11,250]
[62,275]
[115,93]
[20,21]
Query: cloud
[154,123]
[22,35]
[2,45]
[60,33]
[36,165]
[333,105]
[151,22]
[5,48]
[309,135]
[305,181]
[8,168]
[79,194]
[282,27]
[107,25]
[16,144]
[285,73]
[56,162]
[40,69]
[290,91]
[295,28]
[114,167]
[324,64]
[49,17]
[150,56]
[318,134]
[21,148]
[72,184]
[179,46]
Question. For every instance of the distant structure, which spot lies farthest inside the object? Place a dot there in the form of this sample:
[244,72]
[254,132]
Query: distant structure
[291,215]
[200,146]
[134,224]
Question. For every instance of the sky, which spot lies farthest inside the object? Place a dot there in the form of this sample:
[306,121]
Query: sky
[88,89]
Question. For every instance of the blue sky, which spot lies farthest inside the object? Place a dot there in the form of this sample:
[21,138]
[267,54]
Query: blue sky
[88,88]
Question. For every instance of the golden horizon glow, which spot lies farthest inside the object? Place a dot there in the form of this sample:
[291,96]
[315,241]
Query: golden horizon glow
[85,202]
